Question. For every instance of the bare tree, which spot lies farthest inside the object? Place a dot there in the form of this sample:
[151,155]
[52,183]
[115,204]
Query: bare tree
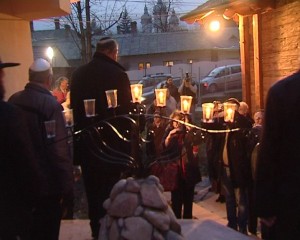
[81,23]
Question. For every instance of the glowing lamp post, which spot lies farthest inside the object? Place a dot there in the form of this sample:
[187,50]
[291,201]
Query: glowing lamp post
[208,111]
[50,54]
[136,92]
[161,97]
[185,103]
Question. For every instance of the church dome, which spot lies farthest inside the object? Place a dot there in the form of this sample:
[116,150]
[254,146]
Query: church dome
[174,20]
[159,8]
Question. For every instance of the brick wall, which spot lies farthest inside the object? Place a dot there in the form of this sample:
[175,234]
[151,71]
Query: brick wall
[280,47]
[280,42]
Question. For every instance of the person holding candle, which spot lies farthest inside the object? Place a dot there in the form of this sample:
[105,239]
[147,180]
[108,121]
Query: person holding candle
[230,149]
[90,81]
[181,143]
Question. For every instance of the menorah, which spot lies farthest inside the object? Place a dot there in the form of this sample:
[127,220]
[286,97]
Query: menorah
[131,136]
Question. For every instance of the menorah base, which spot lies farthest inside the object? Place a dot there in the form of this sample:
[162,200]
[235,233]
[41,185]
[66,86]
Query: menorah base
[137,209]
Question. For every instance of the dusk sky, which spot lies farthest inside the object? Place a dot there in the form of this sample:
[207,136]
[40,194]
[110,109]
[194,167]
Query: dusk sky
[135,9]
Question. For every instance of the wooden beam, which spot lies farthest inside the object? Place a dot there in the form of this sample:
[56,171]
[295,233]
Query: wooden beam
[245,59]
[258,80]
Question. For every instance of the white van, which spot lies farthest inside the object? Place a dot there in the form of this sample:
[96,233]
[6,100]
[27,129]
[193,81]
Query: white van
[222,79]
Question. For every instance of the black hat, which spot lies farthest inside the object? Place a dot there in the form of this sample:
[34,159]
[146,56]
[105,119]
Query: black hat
[233,100]
[5,65]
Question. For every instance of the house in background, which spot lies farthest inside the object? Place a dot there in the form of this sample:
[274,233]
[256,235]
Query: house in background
[196,52]
[15,35]
[269,40]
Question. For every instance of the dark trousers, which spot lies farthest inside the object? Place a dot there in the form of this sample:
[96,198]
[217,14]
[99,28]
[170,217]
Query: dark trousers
[46,219]
[98,185]
[182,200]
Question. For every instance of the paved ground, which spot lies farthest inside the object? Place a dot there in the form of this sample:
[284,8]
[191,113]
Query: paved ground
[205,208]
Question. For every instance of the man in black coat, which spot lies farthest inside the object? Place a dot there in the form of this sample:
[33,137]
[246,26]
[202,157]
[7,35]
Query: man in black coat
[231,150]
[18,172]
[278,163]
[90,81]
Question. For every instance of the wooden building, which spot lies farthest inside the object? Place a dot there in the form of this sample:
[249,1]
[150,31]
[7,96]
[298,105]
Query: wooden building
[269,40]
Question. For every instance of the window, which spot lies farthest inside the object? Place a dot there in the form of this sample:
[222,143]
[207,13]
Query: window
[168,63]
[141,66]
[236,69]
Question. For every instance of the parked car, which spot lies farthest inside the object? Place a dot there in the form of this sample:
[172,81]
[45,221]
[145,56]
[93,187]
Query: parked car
[222,79]
[149,84]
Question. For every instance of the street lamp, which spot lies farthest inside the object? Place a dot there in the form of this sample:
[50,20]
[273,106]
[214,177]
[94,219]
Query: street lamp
[214,25]
[50,54]
[191,63]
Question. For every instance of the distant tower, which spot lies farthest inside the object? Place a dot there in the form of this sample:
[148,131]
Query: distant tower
[146,21]
[173,22]
[160,16]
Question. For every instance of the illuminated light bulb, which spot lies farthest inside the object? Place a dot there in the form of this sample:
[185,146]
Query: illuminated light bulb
[214,26]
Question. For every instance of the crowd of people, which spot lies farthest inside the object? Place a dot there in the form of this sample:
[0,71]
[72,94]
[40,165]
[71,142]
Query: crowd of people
[246,157]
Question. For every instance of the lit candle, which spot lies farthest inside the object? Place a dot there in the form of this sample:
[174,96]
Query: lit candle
[207,113]
[161,97]
[136,92]
[229,114]
[109,102]
[185,105]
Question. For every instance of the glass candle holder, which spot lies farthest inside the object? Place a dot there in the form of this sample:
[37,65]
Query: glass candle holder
[229,110]
[50,127]
[161,97]
[112,98]
[185,103]
[208,112]
[89,106]
[136,92]
[68,116]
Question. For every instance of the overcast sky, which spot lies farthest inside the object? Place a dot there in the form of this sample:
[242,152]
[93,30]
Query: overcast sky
[135,9]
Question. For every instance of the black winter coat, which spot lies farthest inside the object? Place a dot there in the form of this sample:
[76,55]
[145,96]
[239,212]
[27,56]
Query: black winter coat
[18,173]
[90,81]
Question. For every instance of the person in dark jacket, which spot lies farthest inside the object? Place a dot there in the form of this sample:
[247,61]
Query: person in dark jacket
[180,142]
[53,154]
[278,165]
[90,81]
[18,171]
[236,170]
[173,89]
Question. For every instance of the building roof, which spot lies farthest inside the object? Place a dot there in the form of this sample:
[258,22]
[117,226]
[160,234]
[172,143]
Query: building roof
[140,43]
[63,40]
[242,7]
[150,43]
